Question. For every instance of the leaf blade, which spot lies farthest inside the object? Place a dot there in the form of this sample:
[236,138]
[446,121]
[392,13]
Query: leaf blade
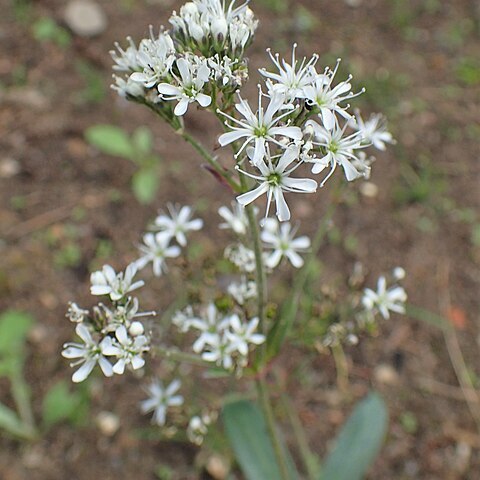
[111,140]
[359,441]
[247,431]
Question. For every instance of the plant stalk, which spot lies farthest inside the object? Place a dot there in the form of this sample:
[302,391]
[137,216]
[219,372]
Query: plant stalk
[211,160]
[272,430]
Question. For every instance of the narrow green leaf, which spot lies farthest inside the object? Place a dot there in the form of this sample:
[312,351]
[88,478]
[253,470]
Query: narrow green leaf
[110,140]
[60,404]
[427,316]
[145,184]
[247,432]
[359,441]
[14,326]
[10,422]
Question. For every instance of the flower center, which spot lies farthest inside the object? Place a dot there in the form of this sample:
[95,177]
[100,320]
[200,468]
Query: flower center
[333,147]
[261,131]
[274,179]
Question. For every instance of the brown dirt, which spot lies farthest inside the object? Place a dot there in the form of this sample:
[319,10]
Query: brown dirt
[411,67]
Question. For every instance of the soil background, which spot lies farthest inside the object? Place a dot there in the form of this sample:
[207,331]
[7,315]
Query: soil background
[66,209]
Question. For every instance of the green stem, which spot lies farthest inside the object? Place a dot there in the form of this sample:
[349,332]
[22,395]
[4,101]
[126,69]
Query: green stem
[272,430]
[310,460]
[180,356]
[211,160]
[341,364]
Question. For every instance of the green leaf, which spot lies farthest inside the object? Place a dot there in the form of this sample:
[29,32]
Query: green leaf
[60,404]
[246,430]
[145,184]
[359,441]
[142,139]
[110,140]
[14,326]
[12,424]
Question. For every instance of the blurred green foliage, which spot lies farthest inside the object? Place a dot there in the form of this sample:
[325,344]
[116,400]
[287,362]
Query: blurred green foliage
[137,148]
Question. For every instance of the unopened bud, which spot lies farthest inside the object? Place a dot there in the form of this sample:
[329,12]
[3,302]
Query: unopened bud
[136,329]
[219,29]
[399,273]
[189,9]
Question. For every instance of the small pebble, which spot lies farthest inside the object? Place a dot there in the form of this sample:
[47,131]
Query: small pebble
[368,189]
[386,374]
[9,167]
[217,467]
[85,18]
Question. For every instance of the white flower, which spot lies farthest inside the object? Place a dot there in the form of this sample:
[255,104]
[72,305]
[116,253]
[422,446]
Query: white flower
[224,71]
[178,223]
[243,290]
[217,351]
[190,85]
[362,164]
[125,60]
[242,334]
[281,239]
[183,319]
[291,79]
[198,428]
[117,285]
[123,314]
[327,99]
[235,219]
[75,313]
[89,354]
[385,300]
[127,87]
[340,150]
[160,399]
[241,256]
[275,179]
[127,350]
[210,325]
[155,57]
[260,127]
[374,130]
[156,249]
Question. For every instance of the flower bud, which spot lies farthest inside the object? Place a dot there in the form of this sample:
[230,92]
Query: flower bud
[399,273]
[219,29]
[195,31]
[189,9]
[136,329]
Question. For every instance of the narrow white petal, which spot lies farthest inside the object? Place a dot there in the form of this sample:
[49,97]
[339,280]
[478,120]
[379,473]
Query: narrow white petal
[283,212]
[181,107]
[203,100]
[84,371]
[252,195]
[230,137]
[166,89]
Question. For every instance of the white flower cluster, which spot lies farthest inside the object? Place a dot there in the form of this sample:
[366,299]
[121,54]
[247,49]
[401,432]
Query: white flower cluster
[224,340]
[202,52]
[198,427]
[211,27]
[112,332]
[305,122]
[157,246]
[363,317]
[278,239]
